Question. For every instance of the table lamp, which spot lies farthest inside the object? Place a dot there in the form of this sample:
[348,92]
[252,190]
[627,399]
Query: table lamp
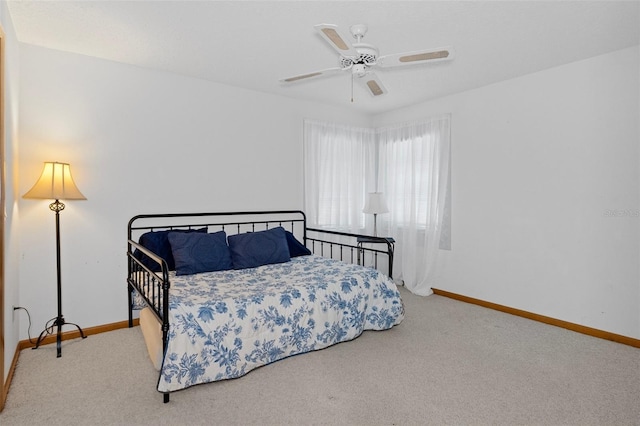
[375,205]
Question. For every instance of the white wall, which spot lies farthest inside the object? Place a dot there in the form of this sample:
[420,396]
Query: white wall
[140,141]
[538,162]
[545,192]
[11,237]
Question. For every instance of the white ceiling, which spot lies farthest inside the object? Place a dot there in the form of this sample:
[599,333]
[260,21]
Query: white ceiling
[254,44]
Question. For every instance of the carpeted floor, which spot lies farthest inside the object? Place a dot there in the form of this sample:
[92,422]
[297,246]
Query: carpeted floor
[448,363]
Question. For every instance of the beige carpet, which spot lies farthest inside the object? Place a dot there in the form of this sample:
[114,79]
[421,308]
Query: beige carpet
[448,363]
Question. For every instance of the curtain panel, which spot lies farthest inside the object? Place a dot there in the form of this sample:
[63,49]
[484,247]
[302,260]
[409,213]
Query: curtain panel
[413,173]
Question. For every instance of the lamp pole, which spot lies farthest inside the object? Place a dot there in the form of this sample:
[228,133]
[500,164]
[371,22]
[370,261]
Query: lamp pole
[57,207]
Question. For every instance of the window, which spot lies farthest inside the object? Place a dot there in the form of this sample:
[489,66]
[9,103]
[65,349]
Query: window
[339,171]
[409,170]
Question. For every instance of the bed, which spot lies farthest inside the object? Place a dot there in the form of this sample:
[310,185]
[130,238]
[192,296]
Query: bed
[220,294]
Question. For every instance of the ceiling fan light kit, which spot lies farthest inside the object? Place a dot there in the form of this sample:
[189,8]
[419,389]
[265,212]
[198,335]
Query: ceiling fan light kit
[361,58]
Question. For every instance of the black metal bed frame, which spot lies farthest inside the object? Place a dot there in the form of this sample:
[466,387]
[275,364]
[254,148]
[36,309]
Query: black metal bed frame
[153,287]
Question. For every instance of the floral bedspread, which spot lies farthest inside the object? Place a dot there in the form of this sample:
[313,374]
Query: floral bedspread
[224,324]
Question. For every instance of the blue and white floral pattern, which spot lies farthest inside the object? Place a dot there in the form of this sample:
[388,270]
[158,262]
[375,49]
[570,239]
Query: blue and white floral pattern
[226,323]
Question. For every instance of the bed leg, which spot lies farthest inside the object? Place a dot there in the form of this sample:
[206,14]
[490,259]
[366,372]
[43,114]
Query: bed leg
[129,297]
[165,397]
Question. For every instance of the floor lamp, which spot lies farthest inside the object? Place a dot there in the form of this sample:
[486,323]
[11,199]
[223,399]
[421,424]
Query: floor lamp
[56,183]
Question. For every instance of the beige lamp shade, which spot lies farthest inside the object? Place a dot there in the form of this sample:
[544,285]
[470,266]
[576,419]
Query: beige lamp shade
[375,204]
[55,183]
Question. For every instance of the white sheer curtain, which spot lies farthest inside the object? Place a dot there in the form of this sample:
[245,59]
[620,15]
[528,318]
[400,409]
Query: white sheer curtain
[413,173]
[339,164]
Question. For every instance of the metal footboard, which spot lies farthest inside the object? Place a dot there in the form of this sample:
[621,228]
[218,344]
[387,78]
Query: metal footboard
[353,248]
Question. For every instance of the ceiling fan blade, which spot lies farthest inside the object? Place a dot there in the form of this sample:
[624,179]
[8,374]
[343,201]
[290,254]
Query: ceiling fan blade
[337,39]
[417,57]
[322,73]
[373,84]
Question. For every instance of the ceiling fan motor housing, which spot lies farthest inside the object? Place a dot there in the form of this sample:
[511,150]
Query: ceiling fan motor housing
[368,56]
[359,70]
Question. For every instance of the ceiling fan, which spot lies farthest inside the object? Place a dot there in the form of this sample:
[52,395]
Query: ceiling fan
[361,58]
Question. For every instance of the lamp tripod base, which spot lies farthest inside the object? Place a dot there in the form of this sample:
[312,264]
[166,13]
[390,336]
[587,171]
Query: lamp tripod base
[58,322]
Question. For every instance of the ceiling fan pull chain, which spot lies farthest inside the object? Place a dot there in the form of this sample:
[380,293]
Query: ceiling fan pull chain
[351,87]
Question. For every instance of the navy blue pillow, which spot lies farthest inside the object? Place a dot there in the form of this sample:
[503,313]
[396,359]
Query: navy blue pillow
[157,242]
[296,248]
[259,248]
[196,252]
